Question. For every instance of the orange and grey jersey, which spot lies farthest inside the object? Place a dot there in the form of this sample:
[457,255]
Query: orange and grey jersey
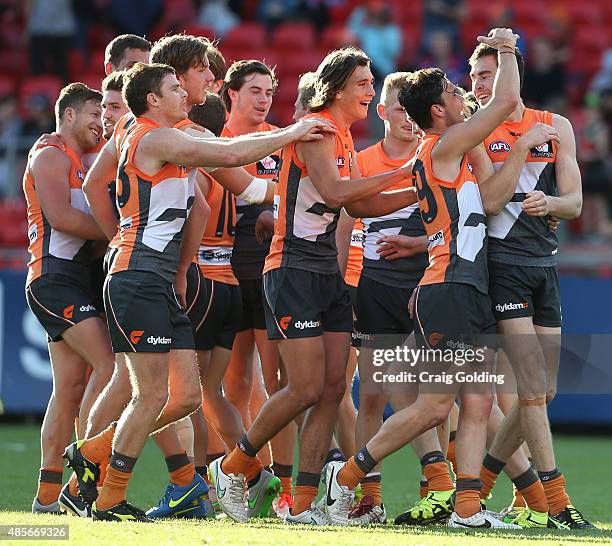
[249,256]
[153,209]
[514,236]
[454,220]
[215,253]
[53,251]
[403,272]
[305,227]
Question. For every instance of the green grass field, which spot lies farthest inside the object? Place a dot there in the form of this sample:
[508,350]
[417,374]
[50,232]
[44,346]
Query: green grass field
[584,460]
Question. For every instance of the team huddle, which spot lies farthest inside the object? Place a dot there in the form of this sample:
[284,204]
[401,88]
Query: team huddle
[222,298]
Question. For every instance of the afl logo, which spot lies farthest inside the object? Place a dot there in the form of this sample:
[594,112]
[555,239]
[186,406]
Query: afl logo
[499,147]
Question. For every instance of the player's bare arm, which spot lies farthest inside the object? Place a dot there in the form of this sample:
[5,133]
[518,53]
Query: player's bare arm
[173,146]
[319,158]
[51,168]
[344,230]
[568,204]
[462,137]
[394,247]
[497,188]
[95,189]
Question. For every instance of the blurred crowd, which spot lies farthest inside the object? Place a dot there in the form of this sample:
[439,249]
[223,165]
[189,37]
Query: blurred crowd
[567,45]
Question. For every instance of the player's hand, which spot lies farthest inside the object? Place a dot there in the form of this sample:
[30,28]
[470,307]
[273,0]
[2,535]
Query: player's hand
[48,139]
[180,288]
[500,38]
[307,130]
[264,226]
[539,134]
[537,204]
[394,247]
[553,223]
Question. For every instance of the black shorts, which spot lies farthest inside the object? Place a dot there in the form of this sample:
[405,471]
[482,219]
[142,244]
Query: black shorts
[143,314]
[196,299]
[382,312]
[353,294]
[525,291]
[253,315]
[97,283]
[301,304]
[59,302]
[222,318]
[453,315]
[109,257]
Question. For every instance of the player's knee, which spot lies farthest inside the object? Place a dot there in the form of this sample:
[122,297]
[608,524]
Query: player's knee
[438,412]
[333,391]
[236,388]
[69,393]
[307,396]
[371,404]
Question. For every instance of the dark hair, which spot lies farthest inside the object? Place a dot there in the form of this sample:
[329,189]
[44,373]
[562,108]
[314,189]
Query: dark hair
[421,91]
[139,81]
[116,48]
[74,95]
[210,115]
[181,51]
[306,89]
[113,82]
[217,62]
[237,74]
[333,73]
[484,50]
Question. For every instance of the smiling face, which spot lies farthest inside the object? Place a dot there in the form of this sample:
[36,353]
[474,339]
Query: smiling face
[253,100]
[453,104]
[86,124]
[482,75]
[357,94]
[113,108]
[197,81]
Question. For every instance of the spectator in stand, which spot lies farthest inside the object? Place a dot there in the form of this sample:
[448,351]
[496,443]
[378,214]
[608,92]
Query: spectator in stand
[445,15]
[441,52]
[138,18]
[10,129]
[603,79]
[544,84]
[51,29]
[273,12]
[39,118]
[217,15]
[378,36]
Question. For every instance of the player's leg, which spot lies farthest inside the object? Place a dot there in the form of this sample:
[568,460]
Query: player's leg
[238,379]
[347,414]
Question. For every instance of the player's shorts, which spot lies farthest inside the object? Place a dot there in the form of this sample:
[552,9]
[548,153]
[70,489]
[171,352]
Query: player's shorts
[253,315]
[302,304]
[59,302]
[453,315]
[382,312]
[196,299]
[353,295]
[525,291]
[97,283]
[222,318]
[144,315]
[109,258]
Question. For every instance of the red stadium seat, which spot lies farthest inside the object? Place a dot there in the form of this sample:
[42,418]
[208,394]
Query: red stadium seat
[248,36]
[49,86]
[294,36]
[333,37]
[92,79]
[201,30]
[295,65]
[7,85]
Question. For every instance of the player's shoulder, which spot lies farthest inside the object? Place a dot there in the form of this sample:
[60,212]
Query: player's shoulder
[50,156]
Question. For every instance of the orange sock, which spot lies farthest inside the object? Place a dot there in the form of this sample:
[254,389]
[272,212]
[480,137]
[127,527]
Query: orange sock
[103,465]
[488,480]
[374,490]
[351,474]
[423,488]
[183,476]
[113,491]
[98,448]
[238,462]
[286,484]
[518,501]
[302,498]
[73,487]
[467,502]
[556,494]
[438,477]
[49,485]
[534,497]
[450,454]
